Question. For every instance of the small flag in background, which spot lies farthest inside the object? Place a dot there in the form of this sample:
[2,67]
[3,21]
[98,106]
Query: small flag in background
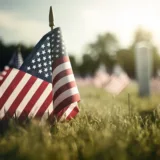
[44,85]
[16,60]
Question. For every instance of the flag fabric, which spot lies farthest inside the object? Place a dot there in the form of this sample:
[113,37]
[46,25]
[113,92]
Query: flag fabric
[16,60]
[44,86]
[117,83]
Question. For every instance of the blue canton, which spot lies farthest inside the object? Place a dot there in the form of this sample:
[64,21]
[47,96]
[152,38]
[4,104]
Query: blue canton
[47,50]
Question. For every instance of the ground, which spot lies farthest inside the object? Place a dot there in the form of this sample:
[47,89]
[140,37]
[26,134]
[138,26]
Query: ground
[107,127]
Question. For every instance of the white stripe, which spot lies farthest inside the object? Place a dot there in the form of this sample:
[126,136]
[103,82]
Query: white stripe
[47,112]
[63,81]
[20,60]
[28,96]
[65,94]
[14,94]
[40,101]
[7,81]
[61,68]
[68,111]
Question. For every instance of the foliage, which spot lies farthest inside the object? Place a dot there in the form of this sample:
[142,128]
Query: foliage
[102,130]
[6,52]
[104,50]
[126,59]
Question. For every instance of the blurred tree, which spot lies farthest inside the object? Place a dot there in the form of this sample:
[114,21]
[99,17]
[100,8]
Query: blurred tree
[125,58]
[156,60]
[141,35]
[6,52]
[74,64]
[88,65]
[104,49]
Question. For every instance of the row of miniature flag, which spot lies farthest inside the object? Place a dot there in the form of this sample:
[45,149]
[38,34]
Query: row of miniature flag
[113,84]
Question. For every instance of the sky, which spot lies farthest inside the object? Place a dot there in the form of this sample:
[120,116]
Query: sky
[80,20]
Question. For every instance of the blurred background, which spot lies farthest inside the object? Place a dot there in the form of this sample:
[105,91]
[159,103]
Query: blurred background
[100,36]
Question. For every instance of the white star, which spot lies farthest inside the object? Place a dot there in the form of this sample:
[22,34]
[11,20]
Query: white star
[59,31]
[50,68]
[52,35]
[58,35]
[57,55]
[33,61]
[57,50]
[49,62]
[43,46]
[45,64]
[52,45]
[29,68]
[46,75]
[38,53]
[63,52]
[57,45]
[44,58]
[38,59]
[48,44]
[34,67]
[45,69]
[48,38]
[40,71]
[39,65]
[4,73]
[6,68]
[49,56]
[49,51]
[43,52]
[58,40]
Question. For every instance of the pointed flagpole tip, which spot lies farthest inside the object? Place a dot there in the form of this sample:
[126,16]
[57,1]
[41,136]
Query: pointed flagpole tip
[51,19]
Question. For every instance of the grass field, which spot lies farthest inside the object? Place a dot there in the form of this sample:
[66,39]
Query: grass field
[107,127]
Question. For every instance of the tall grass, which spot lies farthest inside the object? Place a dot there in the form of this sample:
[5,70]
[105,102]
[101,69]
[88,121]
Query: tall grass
[103,129]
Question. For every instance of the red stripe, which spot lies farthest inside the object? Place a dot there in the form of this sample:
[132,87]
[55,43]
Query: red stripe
[61,75]
[60,61]
[64,88]
[11,88]
[21,95]
[66,102]
[73,113]
[61,112]
[4,76]
[44,106]
[33,100]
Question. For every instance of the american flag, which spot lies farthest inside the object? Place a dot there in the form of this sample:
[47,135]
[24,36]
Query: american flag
[16,60]
[44,85]
[117,83]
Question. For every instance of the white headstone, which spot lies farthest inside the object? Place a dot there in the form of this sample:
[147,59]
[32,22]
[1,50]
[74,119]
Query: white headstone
[143,61]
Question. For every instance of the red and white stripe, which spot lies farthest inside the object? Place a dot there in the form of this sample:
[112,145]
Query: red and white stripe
[117,84]
[24,94]
[29,96]
[65,92]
